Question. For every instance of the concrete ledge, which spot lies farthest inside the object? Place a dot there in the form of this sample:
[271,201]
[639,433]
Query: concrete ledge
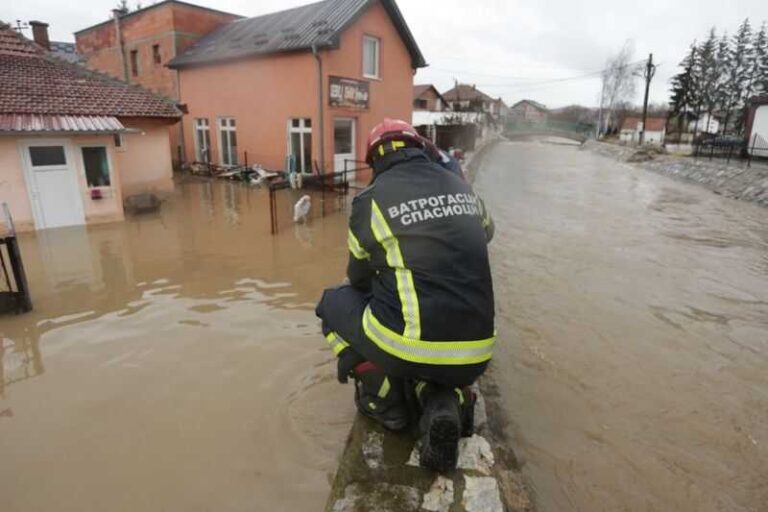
[379,470]
[734,180]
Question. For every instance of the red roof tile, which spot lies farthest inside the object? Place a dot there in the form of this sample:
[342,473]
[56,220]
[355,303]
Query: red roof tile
[652,124]
[32,82]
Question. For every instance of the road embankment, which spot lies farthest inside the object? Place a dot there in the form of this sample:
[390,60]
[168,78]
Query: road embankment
[734,180]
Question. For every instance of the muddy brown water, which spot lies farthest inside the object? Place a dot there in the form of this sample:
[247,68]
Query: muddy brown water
[173,362]
[633,320]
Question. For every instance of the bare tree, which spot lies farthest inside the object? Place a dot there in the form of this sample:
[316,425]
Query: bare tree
[619,83]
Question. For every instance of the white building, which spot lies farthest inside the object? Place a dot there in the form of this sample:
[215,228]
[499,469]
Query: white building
[705,124]
[654,134]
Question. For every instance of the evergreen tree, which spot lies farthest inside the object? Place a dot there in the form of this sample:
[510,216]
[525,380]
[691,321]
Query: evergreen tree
[684,89]
[738,71]
[725,98]
[707,77]
[758,80]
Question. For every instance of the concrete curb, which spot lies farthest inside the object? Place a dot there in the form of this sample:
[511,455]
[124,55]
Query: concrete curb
[379,472]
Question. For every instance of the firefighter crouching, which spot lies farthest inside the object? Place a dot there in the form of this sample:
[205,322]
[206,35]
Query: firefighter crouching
[416,319]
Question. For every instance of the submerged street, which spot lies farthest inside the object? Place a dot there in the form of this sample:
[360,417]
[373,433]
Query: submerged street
[633,320]
[174,362]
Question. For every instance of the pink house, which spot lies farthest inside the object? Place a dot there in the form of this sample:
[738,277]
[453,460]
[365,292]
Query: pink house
[73,142]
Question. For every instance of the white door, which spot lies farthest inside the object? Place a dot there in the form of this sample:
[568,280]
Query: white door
[52,184]
[344,146]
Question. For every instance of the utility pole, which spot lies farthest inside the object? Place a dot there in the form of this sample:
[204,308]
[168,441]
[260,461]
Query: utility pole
[650,70]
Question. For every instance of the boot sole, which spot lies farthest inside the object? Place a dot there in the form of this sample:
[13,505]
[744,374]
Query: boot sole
[441,449]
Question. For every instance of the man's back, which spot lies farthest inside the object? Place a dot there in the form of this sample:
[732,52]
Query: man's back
[423,228]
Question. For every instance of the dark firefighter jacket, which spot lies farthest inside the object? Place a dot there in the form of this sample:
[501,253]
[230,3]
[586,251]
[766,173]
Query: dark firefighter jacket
[418,241]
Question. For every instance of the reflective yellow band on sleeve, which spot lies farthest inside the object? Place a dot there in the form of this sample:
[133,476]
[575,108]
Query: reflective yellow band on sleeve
[427,352]
[355,248]
[336,342]
[406,290]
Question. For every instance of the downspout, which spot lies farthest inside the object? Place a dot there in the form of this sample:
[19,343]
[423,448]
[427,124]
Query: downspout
[182,143]
[117,13]
[320,112]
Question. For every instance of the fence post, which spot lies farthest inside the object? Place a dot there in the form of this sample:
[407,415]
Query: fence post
[751,152]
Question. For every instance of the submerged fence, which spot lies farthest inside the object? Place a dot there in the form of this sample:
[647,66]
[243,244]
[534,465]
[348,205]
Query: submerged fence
[14,291]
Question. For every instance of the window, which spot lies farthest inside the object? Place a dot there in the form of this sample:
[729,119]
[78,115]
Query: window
[47,155]
[202,141]
[422,104]
[96,166]
[156,54]
[300,144]
[371,57]
[228,141]
[135,62]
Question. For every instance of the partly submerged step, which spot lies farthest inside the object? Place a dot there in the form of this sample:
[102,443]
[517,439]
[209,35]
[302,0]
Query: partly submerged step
[379,471]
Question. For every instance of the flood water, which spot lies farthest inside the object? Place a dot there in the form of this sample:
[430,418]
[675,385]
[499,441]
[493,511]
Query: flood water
[173,362]
[633,320]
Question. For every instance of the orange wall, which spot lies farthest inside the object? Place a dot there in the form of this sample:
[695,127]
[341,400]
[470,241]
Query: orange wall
[145,162]
[263,93]
[171,26]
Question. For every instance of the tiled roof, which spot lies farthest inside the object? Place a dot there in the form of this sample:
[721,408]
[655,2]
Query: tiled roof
[57,123]
[465,92]
[532,103]
[319,24]
[652,124]
[32,82]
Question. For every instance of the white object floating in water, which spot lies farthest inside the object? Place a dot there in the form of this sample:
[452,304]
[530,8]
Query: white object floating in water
[301,209]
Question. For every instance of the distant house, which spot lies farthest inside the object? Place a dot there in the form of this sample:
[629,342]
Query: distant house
[757,126]
[528,111]
[74,142]
[705,124]
[298,89]
[468,98]
[426,97]
[656,128]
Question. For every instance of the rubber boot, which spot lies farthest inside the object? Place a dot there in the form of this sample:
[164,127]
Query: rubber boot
[440,427]
[380,397]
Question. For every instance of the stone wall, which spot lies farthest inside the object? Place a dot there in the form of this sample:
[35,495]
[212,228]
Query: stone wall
[734,180]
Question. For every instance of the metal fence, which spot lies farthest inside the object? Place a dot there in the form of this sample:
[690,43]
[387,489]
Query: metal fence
[731,148]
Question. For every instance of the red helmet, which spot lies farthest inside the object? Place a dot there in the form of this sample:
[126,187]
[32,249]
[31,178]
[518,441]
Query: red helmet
[390,129]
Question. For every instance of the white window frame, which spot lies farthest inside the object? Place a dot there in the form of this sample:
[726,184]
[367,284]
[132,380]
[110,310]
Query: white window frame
[376,57]
[202,124]
[226,126]
[302,130]
[109,165]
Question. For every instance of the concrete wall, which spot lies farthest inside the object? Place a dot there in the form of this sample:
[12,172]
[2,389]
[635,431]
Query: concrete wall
[263,93]
[145,162]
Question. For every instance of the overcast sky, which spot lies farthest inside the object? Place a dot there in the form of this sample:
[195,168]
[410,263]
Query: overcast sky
[512,49]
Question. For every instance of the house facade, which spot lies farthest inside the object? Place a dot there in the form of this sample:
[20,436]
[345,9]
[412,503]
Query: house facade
[74,143]
[135,46]
[528,111]
[468,98]
[298,89]
[656,129]
[427,98]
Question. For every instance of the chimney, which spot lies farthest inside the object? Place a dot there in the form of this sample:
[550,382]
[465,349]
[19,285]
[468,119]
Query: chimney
[40,34]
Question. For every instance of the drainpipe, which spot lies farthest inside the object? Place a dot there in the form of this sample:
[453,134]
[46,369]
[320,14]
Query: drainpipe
[182,143]
[117,14]
[320,112]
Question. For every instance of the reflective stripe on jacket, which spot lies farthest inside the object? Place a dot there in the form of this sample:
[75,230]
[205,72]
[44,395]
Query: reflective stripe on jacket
[418,241]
